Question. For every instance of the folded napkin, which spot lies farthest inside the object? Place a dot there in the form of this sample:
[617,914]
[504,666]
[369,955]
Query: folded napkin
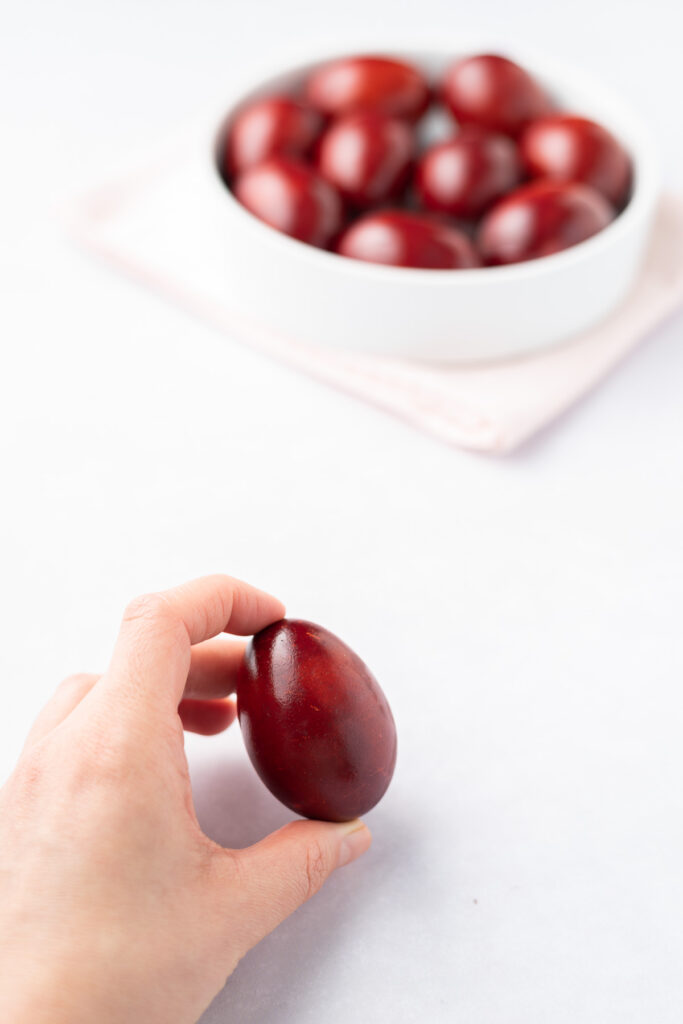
[156,225]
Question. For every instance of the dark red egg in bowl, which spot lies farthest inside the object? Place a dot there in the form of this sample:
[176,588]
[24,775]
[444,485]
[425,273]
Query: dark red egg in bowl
[337,224]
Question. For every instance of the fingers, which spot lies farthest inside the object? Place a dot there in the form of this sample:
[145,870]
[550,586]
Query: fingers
[207,717]
[213,672]
[67,696]
[151,659]
[280,873]
[214,667]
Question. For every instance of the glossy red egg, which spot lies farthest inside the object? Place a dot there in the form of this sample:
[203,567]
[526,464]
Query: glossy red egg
[495,93]
[541,219]
[316,724]
[400,238]
[465,175]
[293,198]
[568,148]
[273,126]
[378,84]
[367,156]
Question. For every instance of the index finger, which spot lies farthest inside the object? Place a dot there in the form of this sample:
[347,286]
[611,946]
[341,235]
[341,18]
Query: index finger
[151,657]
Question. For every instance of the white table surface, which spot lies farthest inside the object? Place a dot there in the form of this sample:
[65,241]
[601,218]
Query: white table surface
[524,615]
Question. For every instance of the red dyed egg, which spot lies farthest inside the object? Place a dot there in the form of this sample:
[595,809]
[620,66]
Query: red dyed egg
[465,175]
[379,84]
[495,93]
[367,157]
[399,238]
[316,725]
[541,219]
[568,148]
[274,126]
[293,198]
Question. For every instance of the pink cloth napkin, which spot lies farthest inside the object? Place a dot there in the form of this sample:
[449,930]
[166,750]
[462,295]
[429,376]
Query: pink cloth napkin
[150,225]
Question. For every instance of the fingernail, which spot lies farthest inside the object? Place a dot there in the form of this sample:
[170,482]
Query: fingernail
[357,840]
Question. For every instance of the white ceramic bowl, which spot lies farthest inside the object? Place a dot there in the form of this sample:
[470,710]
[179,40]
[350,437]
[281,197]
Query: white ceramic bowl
[446,316]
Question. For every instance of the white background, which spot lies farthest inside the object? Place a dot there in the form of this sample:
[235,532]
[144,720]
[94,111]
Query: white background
[524,616]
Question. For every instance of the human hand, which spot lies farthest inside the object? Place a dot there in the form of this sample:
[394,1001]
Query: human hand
[114,905]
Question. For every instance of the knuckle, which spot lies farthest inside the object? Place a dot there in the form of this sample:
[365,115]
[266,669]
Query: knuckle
[119,741]
[79,682]
[29,774]
[146,608]
[154,616]
[316,868]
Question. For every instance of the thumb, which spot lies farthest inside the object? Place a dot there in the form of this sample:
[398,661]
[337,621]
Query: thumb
[284,870]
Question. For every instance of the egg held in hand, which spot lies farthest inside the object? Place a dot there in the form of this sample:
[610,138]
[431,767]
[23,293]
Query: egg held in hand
[316,725]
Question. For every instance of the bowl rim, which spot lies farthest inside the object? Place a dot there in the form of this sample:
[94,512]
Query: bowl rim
[559,74]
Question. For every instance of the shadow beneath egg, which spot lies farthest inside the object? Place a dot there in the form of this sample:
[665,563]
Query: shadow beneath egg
[279,980]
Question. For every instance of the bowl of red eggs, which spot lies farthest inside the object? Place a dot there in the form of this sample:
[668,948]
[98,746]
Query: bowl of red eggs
[453,207]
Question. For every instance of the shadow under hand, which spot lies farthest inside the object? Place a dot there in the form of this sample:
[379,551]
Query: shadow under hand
[286,978]
[233,806]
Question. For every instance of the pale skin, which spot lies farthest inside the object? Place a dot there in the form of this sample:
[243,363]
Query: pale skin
[114,905]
